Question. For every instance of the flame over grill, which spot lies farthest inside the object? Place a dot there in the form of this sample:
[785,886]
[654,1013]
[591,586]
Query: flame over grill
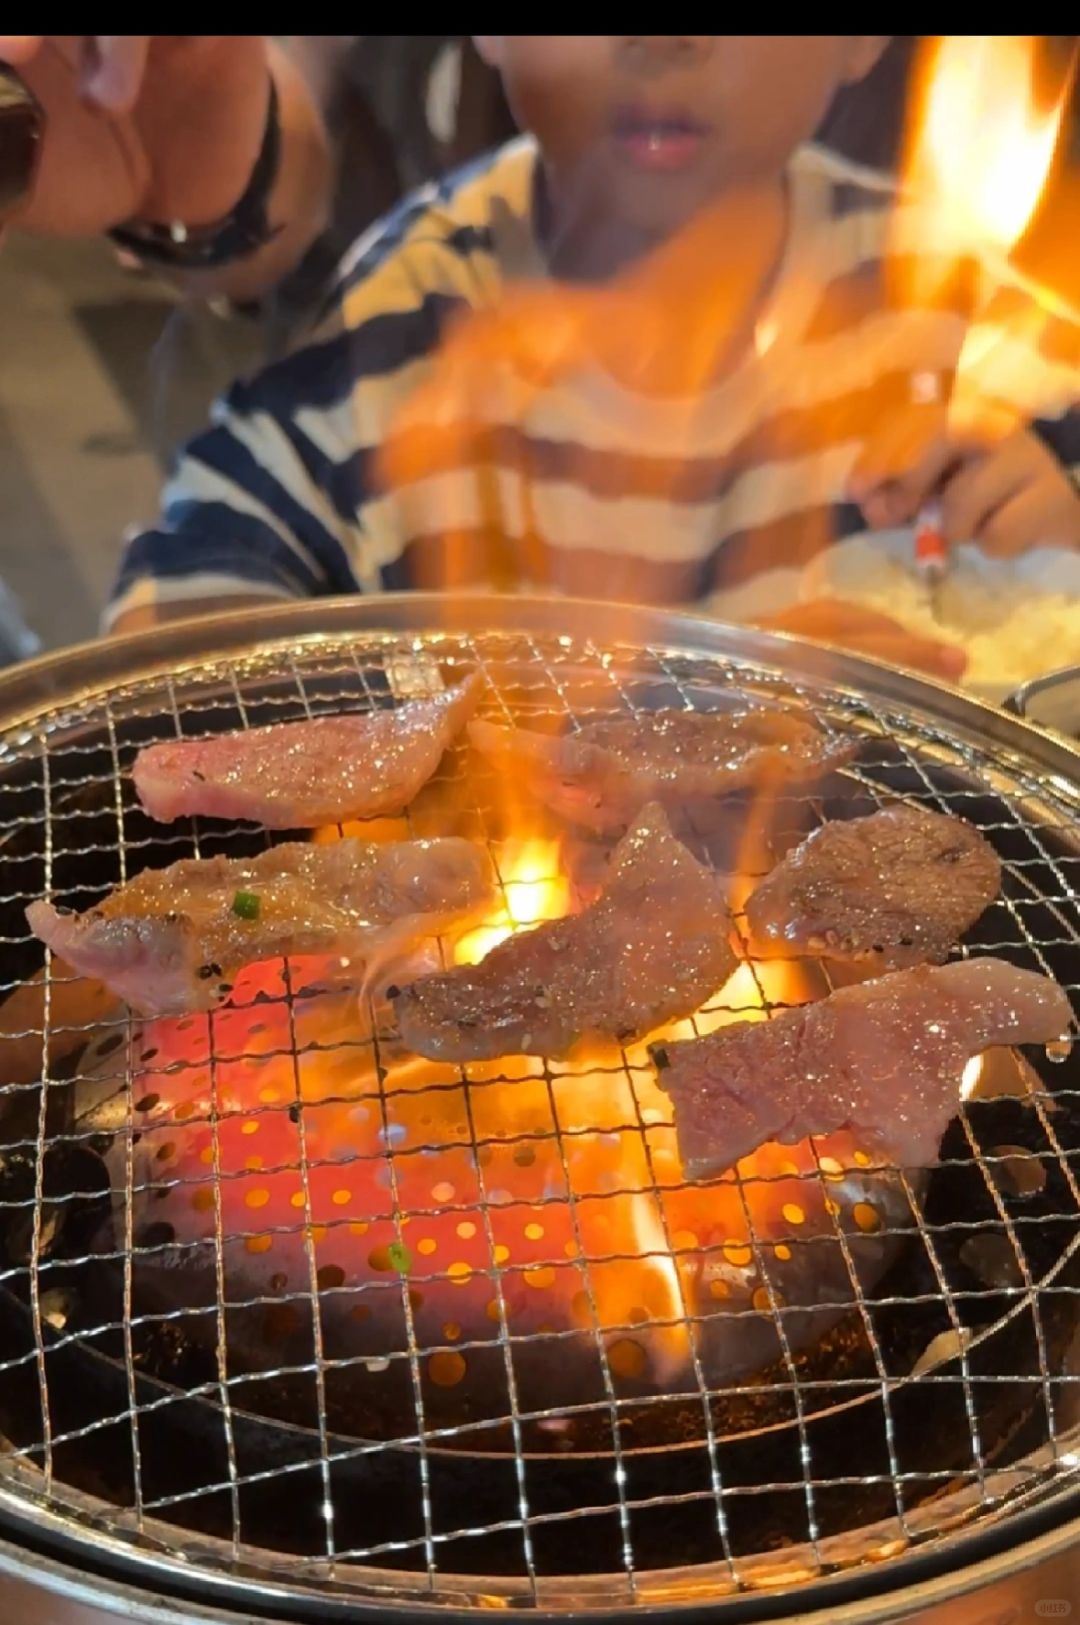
[529,1200]
[981,141]
[507,1338]
[980,145]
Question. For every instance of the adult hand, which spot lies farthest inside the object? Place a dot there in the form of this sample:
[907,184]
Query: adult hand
[154,127]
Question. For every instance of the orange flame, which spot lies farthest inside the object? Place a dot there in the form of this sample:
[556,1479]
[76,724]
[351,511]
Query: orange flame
[655,1259]
[546,1195]
[640,1229]
[641,1245]
[663,328]
[981,148]
[535,889]
[979,152]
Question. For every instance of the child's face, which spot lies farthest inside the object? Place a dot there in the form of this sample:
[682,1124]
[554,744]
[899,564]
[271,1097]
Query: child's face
[648,128]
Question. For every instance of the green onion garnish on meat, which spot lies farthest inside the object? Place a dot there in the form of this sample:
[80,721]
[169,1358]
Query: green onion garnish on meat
[399,1257]
[245,905]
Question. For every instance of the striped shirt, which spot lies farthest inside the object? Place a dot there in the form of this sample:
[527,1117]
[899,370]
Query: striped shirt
[585,486]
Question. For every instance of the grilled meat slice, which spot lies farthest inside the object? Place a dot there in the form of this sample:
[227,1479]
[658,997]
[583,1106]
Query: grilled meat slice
[897,888]
[652,947]
[604,774]
[297,775]
[171,940]
[884,1059]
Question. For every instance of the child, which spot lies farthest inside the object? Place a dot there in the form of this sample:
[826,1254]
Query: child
[732,380]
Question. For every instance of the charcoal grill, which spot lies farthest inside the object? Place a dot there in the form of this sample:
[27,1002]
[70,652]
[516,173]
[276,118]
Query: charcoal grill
[170,1447]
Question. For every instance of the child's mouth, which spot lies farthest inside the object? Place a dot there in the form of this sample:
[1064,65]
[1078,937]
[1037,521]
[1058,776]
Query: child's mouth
[658,141]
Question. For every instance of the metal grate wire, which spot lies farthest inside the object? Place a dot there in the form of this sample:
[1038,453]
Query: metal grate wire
[72,765]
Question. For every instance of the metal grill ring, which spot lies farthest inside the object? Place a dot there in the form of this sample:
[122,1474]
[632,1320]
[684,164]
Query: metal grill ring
[310,1400]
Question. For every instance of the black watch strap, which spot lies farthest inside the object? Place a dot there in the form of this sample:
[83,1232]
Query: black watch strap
[243,232]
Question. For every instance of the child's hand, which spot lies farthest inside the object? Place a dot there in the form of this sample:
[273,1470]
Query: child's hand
[998,486]
[850,626]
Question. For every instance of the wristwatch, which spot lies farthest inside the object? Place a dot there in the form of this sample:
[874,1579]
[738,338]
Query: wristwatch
[242,232]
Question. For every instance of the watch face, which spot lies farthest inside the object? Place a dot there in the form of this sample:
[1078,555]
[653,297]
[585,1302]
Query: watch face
[22,125]
[241,233]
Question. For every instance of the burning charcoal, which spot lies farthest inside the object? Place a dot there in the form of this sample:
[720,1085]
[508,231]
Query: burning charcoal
[385,1203]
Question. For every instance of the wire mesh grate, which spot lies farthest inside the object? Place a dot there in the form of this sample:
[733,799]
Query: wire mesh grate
[425,1320]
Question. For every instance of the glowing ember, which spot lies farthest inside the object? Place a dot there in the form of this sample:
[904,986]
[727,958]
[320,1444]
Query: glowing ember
[427,1211]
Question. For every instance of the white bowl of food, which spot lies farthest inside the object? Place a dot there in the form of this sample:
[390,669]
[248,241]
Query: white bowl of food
[1017,619]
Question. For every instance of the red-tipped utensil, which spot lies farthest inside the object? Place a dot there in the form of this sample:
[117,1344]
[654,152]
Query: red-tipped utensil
[931,552]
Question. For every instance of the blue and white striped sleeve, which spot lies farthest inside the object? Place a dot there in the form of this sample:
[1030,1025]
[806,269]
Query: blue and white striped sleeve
[278,497]
[253,506]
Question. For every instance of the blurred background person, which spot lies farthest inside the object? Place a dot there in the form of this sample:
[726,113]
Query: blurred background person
[105,375]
